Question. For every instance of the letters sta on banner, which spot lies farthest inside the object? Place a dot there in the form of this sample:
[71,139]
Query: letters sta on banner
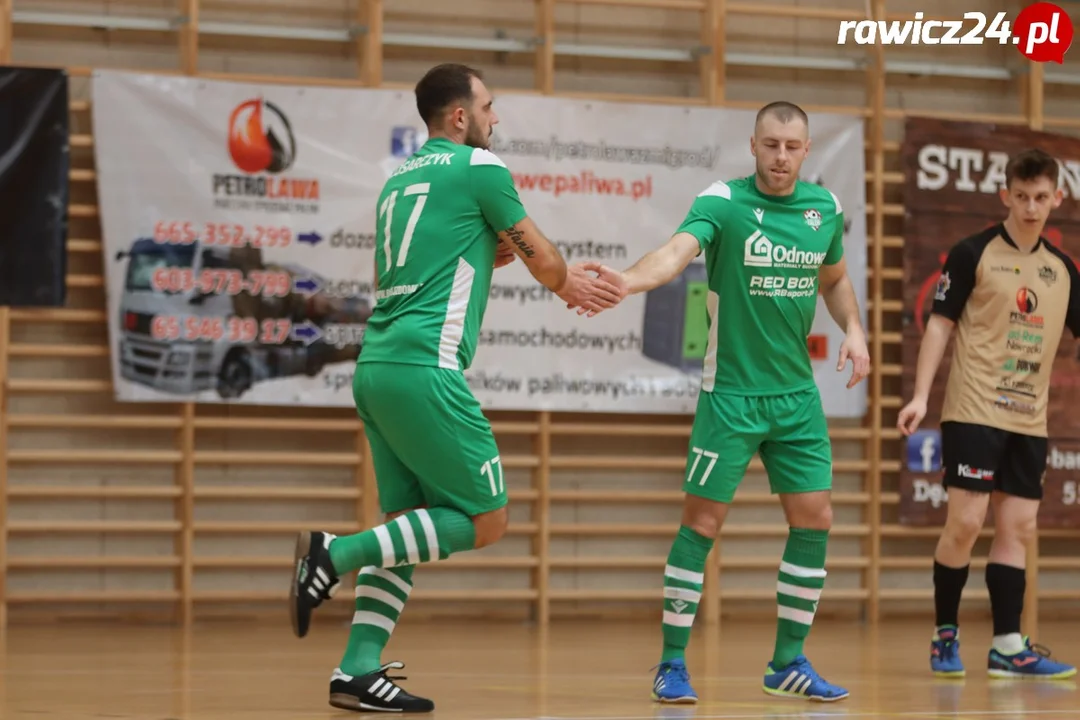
[953,172]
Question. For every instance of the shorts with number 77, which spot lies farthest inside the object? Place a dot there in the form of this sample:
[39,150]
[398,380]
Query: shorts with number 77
[790,433]
[431,445]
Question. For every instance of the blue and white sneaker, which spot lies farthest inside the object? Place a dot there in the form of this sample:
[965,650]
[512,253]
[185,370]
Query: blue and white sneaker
[945,653]
[800,680]
[672,683]
[1031,662]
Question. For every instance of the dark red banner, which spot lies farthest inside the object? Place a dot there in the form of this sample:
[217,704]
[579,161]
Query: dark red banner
[953,172]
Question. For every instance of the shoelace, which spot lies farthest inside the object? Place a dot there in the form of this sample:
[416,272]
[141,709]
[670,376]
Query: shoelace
[679,672]
[1039,649]
[393,665]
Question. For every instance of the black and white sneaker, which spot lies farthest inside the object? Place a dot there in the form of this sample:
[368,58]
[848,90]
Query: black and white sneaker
[375,692]
[314,579]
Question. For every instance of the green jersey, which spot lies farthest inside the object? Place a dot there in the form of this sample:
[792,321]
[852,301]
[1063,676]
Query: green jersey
[439,216]
[762,255]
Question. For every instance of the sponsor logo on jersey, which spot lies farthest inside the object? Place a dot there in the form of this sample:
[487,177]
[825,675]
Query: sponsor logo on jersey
[1016,406]
[1018,365]
[812,218]
[759,214]
[1018,387]
[1012,269]
[1048,274]
[1024,341]
[1027,302]
[943,285]
[760,251]
[781,286]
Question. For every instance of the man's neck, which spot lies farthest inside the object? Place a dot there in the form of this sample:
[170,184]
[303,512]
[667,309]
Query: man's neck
[1025,239]
[766,190]
[452,136]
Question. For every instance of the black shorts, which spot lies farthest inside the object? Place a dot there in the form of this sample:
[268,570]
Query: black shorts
[982,459]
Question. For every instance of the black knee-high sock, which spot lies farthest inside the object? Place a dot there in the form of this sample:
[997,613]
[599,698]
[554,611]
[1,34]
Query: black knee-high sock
[948,586]
[1006,585]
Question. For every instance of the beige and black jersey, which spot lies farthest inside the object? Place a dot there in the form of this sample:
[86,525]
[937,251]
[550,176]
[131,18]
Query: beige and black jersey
[1010,307]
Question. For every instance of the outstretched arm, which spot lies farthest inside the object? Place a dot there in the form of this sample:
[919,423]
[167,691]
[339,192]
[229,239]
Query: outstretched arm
[493,188]
[541,257]
[574,284]
[662,265]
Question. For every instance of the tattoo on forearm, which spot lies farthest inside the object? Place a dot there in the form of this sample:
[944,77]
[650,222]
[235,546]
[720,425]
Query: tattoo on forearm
[518,238]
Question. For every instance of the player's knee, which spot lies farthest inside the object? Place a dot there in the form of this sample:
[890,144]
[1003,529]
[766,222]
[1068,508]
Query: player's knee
[490,527]
[962,529]
[809,511]
[815,517]
[1017,530]
[704,517]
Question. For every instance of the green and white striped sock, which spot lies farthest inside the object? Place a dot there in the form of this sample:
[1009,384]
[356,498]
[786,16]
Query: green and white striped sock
[798,590]
[418,536]
[684,575]
[381,595]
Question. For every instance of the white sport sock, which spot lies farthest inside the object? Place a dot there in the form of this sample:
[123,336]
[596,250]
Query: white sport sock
[1010,644]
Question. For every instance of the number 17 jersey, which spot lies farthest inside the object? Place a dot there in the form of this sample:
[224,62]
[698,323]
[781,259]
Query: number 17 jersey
[437,227]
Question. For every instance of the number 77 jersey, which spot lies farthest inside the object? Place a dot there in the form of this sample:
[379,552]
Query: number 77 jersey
[439,216]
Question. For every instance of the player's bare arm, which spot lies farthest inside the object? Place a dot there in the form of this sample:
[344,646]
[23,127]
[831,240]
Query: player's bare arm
[843,306]
[936,338]
[574,285]
[656,268]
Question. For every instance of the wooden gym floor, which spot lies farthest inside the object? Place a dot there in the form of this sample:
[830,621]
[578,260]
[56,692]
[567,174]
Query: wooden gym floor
[594,671]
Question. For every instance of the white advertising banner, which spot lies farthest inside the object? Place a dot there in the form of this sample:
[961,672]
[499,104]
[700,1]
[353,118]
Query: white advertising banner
[238,224]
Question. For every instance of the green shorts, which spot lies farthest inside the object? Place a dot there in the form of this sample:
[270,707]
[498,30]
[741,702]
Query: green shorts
[430,443]
[789,431]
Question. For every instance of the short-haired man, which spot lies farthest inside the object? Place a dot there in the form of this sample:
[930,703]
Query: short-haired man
[446,217]
[772,243]
[1009,293]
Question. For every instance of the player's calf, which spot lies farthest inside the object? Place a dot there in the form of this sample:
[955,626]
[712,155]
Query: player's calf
[375,692]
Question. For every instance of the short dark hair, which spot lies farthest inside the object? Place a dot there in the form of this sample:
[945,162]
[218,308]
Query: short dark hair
[442,86]
[1031,164]
[783,111]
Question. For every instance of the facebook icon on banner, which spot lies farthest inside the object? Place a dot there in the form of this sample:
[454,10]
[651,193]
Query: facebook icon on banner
[924,451]
[404,141]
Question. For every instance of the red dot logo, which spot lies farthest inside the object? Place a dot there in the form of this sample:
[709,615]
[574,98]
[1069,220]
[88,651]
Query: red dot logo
[1043,32]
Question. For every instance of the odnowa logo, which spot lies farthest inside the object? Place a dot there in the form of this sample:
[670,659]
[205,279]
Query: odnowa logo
[760,251]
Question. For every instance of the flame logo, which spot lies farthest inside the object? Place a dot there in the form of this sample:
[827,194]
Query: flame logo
[261,138]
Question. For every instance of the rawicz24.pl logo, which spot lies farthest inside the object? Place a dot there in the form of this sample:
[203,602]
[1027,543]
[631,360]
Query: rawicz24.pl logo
[1042,32]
